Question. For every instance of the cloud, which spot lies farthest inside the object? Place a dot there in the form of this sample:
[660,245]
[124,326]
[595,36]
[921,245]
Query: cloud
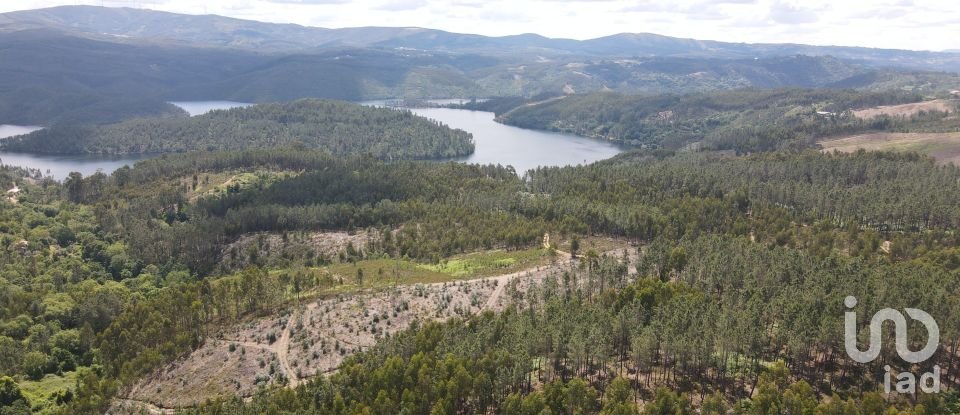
[308,2]
[694,11]
[401,5]
[789,14]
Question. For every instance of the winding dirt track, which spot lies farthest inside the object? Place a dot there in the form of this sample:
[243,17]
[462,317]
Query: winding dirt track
[282,346]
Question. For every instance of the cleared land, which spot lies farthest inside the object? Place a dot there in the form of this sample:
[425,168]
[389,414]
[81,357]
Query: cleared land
[317,336]
[944,147]
[906,110]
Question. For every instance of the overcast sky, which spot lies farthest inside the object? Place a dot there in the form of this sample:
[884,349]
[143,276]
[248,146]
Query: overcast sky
[900,24]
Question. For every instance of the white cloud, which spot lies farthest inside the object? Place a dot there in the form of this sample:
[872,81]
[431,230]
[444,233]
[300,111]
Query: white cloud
[789,14]
[906,24]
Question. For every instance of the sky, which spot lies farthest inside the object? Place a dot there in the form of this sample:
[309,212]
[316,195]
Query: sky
[897,24]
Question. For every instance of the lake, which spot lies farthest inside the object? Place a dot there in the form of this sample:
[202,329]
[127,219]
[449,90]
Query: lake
[495,143]
[59,166]
[521,148]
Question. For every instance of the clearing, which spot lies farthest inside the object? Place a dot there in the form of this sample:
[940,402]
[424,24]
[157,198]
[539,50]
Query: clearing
[314,338]
[906,110]
[944,147]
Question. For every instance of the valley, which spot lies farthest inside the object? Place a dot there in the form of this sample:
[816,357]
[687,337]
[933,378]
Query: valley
[206,215]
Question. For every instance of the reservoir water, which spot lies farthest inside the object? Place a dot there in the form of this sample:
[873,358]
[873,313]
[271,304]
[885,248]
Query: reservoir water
[521,148]
[59,166]
[495,143]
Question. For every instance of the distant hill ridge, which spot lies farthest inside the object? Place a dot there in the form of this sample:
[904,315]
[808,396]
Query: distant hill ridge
[213,30]
[96,65]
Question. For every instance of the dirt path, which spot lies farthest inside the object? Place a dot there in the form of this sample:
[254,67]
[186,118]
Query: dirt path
[530,104]
[135,406]
[503,280]
[282,346]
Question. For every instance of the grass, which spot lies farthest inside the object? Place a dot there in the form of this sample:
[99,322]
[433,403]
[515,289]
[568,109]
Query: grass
[381,273]
[37,391]
[384,273]
[490,263]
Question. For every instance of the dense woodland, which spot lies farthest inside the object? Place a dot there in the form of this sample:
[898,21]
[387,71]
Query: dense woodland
[106,278]
[336,127]
[745,120]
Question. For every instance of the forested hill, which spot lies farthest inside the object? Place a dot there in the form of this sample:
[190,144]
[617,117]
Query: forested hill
[109,278]
[744,120]
[337,127]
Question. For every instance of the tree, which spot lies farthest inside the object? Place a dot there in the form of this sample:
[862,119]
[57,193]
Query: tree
[618,399]
[9,392]
[36,364]
[74,186]
[667,402]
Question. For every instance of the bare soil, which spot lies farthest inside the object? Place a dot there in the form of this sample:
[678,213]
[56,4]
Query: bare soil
[296,245]
[316,337]
[906,110]
[944,147]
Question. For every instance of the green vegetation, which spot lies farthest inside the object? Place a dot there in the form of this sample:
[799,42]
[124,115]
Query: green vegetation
[490,263]
[51,385]
[743,120]
[383,273]
[107,278]
[752,328]
[737,240]
[337,127]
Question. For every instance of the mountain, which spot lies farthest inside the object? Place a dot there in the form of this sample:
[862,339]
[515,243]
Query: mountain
[95,65]
[48,77]
[217,31]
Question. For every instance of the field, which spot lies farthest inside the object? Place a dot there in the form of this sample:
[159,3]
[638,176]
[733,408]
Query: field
[906,110]
[944,147]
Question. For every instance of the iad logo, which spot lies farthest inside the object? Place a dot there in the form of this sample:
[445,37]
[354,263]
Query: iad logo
[906,381]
